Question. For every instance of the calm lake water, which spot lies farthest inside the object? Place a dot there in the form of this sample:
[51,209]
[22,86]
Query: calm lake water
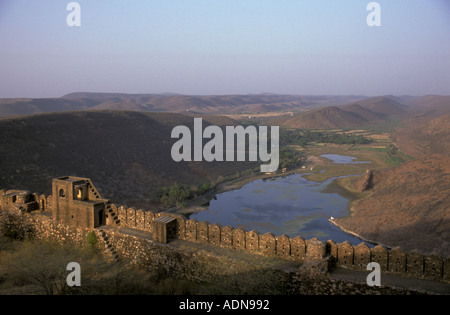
[342,159]
[288,205]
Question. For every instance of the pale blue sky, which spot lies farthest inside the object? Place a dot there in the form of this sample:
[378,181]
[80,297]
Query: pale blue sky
[224,47]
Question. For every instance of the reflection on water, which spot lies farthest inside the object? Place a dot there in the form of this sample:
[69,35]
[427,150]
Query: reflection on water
[288,205]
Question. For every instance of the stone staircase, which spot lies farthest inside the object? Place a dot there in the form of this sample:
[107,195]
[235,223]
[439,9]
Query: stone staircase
[110,250]
[110,209]
[111,214]
[94,191]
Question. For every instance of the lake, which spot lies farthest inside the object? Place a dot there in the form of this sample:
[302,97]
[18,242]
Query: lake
[343,159]
[290,205]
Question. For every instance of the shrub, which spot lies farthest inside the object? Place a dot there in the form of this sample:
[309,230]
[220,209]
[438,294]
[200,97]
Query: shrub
[15,226]
[91,239]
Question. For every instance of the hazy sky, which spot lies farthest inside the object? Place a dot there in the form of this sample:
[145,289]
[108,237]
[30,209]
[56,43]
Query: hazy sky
[224,47]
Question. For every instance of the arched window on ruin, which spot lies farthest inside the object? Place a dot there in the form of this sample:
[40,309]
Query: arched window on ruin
[61,193]
[81,192]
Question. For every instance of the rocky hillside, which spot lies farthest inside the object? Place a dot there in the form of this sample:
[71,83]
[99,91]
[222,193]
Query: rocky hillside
[432,103]
[126,154]
[425,134]
[409,206]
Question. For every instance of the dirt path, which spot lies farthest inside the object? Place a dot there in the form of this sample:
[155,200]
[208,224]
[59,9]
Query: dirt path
[394,281]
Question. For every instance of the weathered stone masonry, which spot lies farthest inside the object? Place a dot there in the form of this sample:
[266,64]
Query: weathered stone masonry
[77,208]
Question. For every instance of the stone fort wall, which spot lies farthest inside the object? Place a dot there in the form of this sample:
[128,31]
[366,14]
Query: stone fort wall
[198,266]
[136,250]
[391,260]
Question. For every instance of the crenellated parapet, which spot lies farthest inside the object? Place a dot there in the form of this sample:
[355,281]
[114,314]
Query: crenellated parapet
[77,201]
[345,254]
[395,260]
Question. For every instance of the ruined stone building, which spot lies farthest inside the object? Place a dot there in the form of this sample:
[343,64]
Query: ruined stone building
[78,203]
[18,201]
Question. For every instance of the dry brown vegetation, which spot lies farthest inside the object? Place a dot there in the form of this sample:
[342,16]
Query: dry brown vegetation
[422,135]
[408,207]
[127,154]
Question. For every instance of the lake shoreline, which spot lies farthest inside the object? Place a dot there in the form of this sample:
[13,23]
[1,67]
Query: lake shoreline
[196,205]
[364,240]
[306,215]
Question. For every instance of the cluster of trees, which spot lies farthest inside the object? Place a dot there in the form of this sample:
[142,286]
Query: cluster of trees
[289,158]
[303,137]
[177,195]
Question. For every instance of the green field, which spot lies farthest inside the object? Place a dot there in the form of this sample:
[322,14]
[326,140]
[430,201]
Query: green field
[381,152]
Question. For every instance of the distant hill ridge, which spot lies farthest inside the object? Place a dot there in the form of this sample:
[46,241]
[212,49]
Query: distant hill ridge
[354,114]
[310,111]
[170,102]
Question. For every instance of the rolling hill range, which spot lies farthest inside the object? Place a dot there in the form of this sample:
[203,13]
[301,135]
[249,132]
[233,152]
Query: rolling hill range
[354,114]
[171,103]
[126,154]
[383,106]
[15,107]
[432,104]
[409,205]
